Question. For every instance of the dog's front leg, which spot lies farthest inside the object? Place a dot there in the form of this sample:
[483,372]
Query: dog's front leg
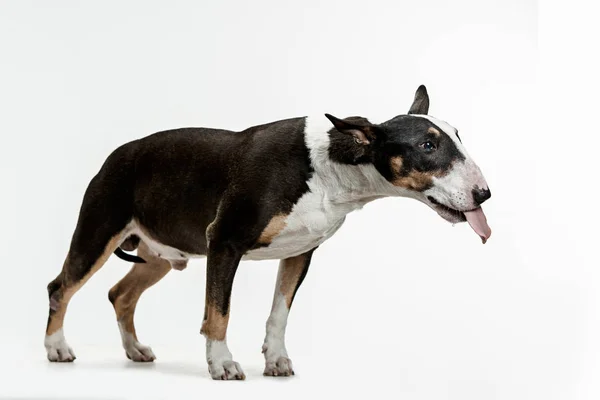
[289,278]
[222,263]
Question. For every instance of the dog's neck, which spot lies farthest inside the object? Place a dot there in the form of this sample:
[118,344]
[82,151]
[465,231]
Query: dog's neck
[343,183]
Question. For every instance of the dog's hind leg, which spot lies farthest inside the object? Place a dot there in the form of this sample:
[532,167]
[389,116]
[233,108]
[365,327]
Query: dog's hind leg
[125,295]
[101,227]
[289,278]
[77,269]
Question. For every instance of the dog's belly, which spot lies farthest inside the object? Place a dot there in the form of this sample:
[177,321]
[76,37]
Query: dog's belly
[292,241]
[157,248]
[314,219]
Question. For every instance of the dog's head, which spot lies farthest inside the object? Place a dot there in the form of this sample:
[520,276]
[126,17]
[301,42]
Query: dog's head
[425,156]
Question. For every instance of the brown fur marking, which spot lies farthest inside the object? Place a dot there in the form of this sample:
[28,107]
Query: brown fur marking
[126,293]
[414,180]
[275,225]
[289,275]
[69,288]
[434,131]
[214,326]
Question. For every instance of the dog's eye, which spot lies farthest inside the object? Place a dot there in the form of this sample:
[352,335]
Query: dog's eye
[428,146]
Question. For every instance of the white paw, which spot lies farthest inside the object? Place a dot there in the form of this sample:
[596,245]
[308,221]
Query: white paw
[137,352]
[279,367]
[277,362]
[220,365]
[134,350]
[57,348]
[226,371]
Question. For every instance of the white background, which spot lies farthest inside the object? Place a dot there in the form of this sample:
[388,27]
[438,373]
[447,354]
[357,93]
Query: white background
[398,302]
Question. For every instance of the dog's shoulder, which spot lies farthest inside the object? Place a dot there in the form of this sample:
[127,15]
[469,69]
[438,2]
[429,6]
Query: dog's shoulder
[274,163]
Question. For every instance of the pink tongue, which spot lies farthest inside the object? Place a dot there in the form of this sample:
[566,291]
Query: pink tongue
[476,219]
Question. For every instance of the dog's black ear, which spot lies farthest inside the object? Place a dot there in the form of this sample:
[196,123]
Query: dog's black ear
[421,103]
[363,132]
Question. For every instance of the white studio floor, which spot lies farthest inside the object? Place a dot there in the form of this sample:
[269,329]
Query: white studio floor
[103,374]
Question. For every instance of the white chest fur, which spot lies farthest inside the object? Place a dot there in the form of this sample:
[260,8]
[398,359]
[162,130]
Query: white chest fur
[312,221]
[335,191]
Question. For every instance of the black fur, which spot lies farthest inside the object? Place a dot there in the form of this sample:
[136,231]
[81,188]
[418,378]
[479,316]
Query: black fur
[343,147]
[184,176]
[174,182]
[188,186]
[402,136]
[421,102]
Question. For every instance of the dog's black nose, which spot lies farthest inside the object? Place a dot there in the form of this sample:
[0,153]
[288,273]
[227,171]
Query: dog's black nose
[481,195]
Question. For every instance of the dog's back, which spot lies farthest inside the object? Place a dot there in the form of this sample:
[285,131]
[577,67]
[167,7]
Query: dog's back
[172,182]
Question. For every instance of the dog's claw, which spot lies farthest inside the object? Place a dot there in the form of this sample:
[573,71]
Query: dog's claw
[281,367]
[227,371]
[137,352]
[61,355]
[57,348]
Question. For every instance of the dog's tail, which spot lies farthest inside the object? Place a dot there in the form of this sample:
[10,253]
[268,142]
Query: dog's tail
[130,244]
[129,257]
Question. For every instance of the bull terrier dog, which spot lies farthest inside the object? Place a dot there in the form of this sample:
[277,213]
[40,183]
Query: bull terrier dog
[273,191]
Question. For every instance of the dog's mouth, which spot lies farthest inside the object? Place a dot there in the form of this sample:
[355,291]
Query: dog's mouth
[448,213]
[475,217]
